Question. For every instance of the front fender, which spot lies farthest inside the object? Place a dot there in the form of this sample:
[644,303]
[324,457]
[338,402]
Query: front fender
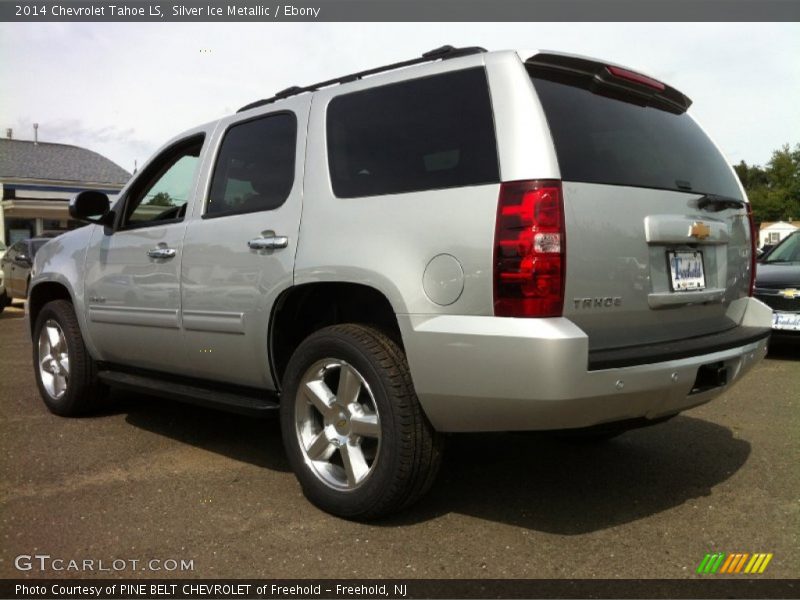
[62,262]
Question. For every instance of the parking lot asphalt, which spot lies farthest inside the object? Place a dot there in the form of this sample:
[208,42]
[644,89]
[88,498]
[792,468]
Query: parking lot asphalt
[154,479]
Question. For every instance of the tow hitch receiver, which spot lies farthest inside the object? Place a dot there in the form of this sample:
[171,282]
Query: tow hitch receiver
[710,376]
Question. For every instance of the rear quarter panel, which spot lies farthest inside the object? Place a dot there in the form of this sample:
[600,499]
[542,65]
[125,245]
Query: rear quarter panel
[387,241]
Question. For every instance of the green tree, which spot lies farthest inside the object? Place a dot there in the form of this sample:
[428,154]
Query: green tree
[783,171]
[751,176]
[774,190]
[161,199]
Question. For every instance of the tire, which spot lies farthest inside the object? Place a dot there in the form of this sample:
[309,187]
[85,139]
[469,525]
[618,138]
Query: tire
[65,373]
[372,423]
[4,301]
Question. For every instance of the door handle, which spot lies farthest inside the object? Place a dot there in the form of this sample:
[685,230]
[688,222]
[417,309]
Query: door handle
[272,242]
[161,253]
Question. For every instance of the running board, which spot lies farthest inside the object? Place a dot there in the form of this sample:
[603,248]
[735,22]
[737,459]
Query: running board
[243,403]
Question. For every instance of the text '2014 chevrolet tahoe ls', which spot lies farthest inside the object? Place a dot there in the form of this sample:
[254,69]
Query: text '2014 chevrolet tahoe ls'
[479,241]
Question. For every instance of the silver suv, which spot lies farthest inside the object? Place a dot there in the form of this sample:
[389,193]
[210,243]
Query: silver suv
[466,241]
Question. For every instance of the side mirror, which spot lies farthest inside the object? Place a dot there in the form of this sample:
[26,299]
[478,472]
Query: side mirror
[91,207]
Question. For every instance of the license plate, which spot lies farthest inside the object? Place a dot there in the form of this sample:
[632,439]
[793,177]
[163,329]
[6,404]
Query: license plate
[686,271]
[784,320]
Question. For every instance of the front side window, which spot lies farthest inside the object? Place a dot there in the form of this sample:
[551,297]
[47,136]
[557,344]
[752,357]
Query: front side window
[429,133]
[255,167]
[161,192]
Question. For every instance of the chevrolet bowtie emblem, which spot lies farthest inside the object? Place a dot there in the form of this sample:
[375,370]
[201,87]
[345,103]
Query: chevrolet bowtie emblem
[790,293]
[699,230]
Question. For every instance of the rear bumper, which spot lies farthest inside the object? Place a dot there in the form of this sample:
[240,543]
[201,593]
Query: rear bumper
[502,374]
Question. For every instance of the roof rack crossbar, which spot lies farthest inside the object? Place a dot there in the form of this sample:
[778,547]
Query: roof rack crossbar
[442,53]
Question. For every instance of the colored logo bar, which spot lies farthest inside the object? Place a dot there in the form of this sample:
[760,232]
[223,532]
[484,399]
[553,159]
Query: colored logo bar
[737,562]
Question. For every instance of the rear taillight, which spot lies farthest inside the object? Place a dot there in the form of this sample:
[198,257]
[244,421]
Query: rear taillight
[753,241]
[529,250]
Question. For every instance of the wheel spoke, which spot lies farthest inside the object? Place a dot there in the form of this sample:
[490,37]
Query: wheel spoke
[320,395]
[355,465]
[320,447]
[365,425]
[54,338]
[47,380]
[63,360]
[349,385]
[44,346]
[59,384]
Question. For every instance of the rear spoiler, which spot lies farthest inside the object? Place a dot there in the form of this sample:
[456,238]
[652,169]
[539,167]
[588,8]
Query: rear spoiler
[608,80]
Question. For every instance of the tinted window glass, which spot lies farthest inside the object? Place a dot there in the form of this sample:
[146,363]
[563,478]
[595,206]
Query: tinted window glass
[787,251]
[36,244]
[255,168]
[434,132]
[160,193]
[603,140]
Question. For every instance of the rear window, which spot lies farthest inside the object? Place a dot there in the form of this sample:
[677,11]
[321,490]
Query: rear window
[428,133]
[604,140]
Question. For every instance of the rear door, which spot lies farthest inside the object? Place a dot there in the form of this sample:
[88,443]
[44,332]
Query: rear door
[240,245]
[658,238]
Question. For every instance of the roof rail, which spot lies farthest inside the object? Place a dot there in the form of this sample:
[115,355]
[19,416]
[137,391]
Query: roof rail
[442,53]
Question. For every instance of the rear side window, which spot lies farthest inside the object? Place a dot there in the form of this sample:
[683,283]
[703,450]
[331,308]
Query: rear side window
[428,133]
[255,166]
[604,140]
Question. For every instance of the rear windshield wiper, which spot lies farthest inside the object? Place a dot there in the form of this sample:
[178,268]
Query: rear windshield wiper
[717,203]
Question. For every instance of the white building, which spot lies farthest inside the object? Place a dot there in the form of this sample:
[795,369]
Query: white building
[772,233]
[37,179]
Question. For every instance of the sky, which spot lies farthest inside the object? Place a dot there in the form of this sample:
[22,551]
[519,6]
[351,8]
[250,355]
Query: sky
[124,89]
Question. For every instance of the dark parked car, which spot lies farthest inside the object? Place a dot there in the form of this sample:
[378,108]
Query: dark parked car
[16,266]
[778,284]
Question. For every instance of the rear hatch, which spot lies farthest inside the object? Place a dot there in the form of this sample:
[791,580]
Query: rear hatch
[657,231]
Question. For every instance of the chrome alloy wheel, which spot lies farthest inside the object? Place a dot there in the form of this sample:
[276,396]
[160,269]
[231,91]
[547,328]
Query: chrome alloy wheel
[53,359]
[339,432]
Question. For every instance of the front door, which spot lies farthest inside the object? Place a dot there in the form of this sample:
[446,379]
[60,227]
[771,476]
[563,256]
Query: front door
[133,272]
